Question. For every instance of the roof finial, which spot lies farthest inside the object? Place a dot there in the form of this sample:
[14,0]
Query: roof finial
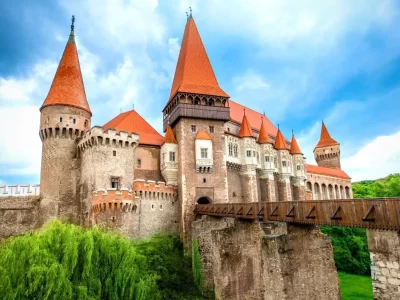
[262,120]
[133,106]
[292,132]
[190,9]
[244,111]
[72,24]
[264,113]
[278,126]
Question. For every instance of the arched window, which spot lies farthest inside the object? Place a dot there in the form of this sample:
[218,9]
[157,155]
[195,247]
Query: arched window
[235,150]
[230,149]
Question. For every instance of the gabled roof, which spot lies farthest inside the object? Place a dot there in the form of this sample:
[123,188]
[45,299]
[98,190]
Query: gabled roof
[280,143]
[253,117]
[245,129]
[263,137]
[169,136]
[194,73]
[294,147]
[67,87]
[325,139]
[326,171]
[203,135]
[131,121]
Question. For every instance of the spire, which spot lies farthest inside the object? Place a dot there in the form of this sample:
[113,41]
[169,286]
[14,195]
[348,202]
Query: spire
[67,87]
[280,143]
[245,129]
[194,73]
[263,137]
[294,147]
[169,136]
[325,139]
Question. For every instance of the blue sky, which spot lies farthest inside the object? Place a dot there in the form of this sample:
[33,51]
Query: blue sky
[299,61]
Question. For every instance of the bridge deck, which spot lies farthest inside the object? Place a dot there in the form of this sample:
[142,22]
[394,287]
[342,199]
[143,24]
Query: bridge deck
[377,213]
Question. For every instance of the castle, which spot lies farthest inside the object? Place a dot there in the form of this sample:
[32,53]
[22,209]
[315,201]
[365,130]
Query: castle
[125,175]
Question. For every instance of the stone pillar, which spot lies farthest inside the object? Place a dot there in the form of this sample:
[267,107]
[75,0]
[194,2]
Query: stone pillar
[267,188]
[284,188]
[384,247]
[274,261]
[299,193]
[248,180]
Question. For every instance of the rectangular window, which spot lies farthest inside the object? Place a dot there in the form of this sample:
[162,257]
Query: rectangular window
[115,184]
[172,156]
[248,153]
[267,159]
[60,119]
[284,163]
[114,153]
[139,162]
[193,128]
[74,121]
[204,153]
[298,168]
[211,129]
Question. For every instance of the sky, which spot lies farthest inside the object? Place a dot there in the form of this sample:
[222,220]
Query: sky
[299,61]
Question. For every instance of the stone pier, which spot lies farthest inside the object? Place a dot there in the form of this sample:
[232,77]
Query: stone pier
[384,248]
[274,261]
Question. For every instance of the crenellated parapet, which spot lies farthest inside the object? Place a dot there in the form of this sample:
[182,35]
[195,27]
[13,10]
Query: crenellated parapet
[60,132]
[97,136]
[19,190]
[152,190]
[113,200]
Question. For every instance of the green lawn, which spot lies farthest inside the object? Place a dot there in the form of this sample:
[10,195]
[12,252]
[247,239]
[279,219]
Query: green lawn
[355,287]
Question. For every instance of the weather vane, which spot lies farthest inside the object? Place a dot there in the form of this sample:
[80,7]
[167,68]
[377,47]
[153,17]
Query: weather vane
[73,21]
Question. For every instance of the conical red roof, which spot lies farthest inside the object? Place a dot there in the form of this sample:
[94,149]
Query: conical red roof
[194,73]
[294,147]
[325,140]
[169,136]
[280,143]
[245,129]
[263,137]
[67,87]
[131,121]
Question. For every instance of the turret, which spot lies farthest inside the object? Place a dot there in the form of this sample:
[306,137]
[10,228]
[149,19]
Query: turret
[298,179]
[327,151]
[65,116]
[284,168]
[169,158]
[249,146]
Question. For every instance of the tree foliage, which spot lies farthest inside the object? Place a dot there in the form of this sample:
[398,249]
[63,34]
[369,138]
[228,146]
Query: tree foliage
[350,245]
[62,261]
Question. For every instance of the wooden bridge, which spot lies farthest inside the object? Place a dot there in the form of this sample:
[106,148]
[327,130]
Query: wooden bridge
[377,213]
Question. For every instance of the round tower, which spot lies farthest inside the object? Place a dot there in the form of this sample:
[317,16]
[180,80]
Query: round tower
[65,116]
[327,151]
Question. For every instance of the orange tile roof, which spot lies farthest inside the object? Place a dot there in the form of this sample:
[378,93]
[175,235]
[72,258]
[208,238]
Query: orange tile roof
[326,171]
[294,147]
[245,129]
[280,143]
[203,135]
[131,121]
[169,136]
[263,137]
[67,87]
[253,117]
[194,73]
[325,139]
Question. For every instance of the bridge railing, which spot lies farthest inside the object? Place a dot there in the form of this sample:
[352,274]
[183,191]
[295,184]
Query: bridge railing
[19,190]
[377,213]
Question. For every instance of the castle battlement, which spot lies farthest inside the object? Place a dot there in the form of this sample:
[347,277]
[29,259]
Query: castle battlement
[152,190]
[19,190]
[113,200]
[98,136]
[60,132]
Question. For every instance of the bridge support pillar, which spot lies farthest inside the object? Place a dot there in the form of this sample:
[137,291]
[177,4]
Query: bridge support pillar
[274,261]
[384,247]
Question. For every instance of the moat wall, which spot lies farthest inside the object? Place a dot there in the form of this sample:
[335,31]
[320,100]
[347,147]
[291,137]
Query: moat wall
[250,260]
[18,215]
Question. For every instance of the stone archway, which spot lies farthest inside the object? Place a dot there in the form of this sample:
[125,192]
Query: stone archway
[203,200]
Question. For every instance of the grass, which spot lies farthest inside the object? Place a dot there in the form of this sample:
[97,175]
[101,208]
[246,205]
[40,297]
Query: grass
[355,287]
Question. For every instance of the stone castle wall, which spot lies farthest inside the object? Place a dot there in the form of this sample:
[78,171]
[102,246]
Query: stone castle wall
[18,214]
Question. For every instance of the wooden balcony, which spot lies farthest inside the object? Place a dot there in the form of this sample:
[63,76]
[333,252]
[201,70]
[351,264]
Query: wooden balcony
[196,111]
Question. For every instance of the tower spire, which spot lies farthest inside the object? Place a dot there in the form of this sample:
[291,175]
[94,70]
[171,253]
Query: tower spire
[263,137]
[325,138]
[280,143]
[67,87]
[245,129]
[294,146]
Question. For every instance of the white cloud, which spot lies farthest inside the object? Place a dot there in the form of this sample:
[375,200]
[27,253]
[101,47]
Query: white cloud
[376,159]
